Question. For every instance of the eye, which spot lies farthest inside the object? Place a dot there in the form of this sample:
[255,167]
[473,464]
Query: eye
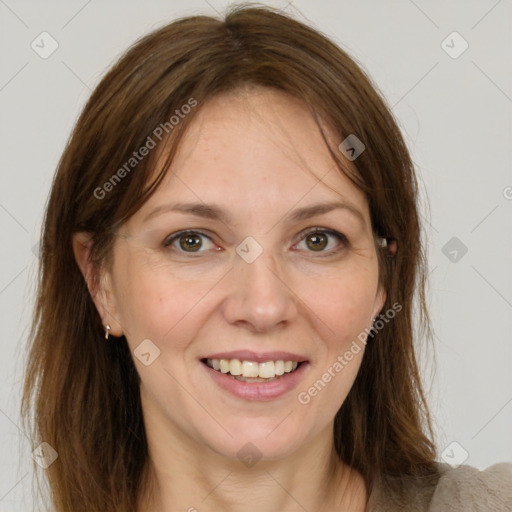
[317,240]
[188,241]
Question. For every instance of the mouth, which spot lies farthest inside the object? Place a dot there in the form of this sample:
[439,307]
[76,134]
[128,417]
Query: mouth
[250,379]
[252,371]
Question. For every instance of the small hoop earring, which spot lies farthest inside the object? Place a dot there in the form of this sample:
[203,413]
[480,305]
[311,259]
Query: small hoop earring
[107,331]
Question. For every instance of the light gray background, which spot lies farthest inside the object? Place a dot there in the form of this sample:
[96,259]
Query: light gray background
[456,116]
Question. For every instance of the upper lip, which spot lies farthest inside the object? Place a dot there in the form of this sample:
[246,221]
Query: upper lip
[258,357]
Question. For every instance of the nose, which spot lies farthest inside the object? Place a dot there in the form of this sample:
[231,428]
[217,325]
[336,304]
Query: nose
[260,297]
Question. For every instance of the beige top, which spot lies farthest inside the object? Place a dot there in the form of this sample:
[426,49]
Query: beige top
[463,489]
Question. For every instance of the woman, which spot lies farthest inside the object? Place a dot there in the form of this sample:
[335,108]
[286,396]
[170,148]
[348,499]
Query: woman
[236,214]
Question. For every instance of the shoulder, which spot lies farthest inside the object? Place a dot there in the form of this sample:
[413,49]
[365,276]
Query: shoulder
[461,489]
[468,489]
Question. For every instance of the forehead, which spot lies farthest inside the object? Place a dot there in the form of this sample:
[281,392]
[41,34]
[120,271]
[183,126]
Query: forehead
[259,150]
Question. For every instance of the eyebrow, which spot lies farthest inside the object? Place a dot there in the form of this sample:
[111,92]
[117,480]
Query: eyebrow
[214,212]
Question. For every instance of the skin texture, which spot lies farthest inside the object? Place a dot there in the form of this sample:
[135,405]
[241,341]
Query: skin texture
[259,155]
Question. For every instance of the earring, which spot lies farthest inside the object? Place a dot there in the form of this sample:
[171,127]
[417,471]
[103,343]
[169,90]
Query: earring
[107,331]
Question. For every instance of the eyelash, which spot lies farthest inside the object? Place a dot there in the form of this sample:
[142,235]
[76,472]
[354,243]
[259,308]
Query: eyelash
[314,231]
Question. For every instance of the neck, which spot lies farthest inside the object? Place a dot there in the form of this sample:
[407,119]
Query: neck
[187,477]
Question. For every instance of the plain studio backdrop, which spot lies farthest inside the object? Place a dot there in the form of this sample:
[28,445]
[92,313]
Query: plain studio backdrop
[444,69]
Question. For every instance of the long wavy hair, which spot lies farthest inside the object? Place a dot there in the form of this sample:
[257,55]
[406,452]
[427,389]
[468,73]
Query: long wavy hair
[81,394]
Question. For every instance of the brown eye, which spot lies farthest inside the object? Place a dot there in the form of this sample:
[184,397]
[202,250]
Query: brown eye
[324,241]
[317,241]
[188,242]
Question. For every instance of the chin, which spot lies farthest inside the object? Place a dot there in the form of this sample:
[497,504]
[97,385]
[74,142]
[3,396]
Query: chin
[258,442]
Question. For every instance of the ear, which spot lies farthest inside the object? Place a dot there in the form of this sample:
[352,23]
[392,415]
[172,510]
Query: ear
[100,286]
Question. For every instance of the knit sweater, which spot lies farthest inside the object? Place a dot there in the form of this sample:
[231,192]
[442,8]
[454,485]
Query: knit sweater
[463,489]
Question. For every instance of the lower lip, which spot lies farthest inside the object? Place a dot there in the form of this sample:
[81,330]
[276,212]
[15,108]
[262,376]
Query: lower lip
[259,391]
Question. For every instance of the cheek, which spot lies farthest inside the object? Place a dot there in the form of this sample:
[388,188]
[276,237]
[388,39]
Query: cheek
[157,305]
[345,304]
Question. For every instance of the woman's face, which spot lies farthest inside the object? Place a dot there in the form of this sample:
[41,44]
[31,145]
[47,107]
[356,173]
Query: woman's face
[251,282]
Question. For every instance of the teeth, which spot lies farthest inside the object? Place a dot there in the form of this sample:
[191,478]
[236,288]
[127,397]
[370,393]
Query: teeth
[253,379]
[235,367]
[224,365]
[267,370]
[251,369]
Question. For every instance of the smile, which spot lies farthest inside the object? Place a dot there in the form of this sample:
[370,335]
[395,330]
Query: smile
[256,381]
[252,371]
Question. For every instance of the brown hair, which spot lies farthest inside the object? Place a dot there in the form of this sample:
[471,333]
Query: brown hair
[84,392]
